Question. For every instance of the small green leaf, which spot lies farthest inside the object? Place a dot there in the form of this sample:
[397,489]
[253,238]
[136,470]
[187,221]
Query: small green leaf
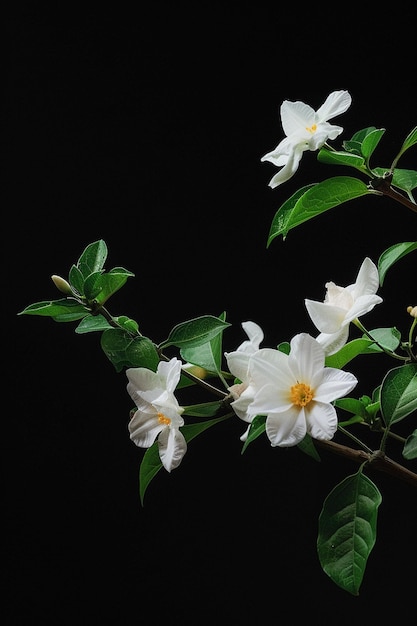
[93,258]
[410,140]
[151,462]
[195,332]
[307,446]
[92,285]
[392,255]
[347,530]
[410,447]
[92,324]
[316,200]
[112,282]
[388,338]
[335,157]
[348,352]
[398,394]
[208,355]
[256,429]
[371,141]
[206,409]
[123,350]
[64,310]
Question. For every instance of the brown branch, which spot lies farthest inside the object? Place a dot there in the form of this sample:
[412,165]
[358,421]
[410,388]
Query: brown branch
[376,460]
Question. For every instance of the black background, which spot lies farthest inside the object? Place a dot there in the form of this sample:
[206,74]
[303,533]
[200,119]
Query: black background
[146,128]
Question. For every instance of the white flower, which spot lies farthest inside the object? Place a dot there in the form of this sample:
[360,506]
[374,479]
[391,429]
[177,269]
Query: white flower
[343,305]
[158,414]
[295,391]
[238,364]
[305,129]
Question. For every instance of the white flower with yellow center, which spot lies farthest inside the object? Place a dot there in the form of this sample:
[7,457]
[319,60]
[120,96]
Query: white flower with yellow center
[305,129]
[343,305]
[158,416]
[295,391]
[238,364]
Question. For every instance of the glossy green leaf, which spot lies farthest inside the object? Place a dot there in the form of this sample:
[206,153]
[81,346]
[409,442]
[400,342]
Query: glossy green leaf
[410,447]
[206,409]
[307,446]
[403,179]
[151,462]
[336,157]
[92,285]
[112,282]
[195,332]
[64,310]
[208,355]
[283,214]
[348,352]
[257,427]
[76,280]
[347,530]
[123,350]
[93,258]
[393,254]
[398,395]
[388,338]
[410,140]
[315,201]
[371,141]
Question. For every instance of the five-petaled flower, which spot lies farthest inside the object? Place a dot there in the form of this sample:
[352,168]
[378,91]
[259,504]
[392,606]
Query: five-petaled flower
[305,129]
[343,305]
[295,391]
[238,364]
[158,415]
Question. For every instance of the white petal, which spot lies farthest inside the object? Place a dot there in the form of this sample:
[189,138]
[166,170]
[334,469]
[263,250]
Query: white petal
[172,447]
[336,103]
[367,281]
[144,429]
[288,170]
[306,357]
[237,363]
[334,384]
[255,334]
[141,378]
[321,420]
[296,116]
[326,317]
[331,343]
[286,429]
[362,305]
[170,372]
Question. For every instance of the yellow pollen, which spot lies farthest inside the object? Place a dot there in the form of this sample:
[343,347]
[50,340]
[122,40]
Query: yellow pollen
[163,419]
[312,129]
[301,394]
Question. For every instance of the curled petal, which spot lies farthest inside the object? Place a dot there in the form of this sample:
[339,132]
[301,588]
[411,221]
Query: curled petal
[144,429]
[172,447]
[331,343]
[336,103]
[326,317]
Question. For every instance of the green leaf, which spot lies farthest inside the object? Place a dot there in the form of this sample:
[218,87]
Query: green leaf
[352,405]
[347,530]
[151,462]
[195,332]
[316,200]
[208,355]
[348,352]
[76,280]
[307,446]
[398,393]
[388,338]
[392,255]
[336,157]
[92,285]
[93,258]
[410,140]
[123,350]
[64,310]
[403,179]
[92,324]
[283,214]
[256,429]
[371,141]
[112,282]
[410,447]
[206,409]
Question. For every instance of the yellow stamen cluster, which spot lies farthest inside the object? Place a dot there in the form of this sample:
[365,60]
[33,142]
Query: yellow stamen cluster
[301,394]
[163,419]
[312,129]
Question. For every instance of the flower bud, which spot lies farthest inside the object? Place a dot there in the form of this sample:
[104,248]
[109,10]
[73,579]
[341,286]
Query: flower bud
[62,285]
[196,370]
[412,310]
